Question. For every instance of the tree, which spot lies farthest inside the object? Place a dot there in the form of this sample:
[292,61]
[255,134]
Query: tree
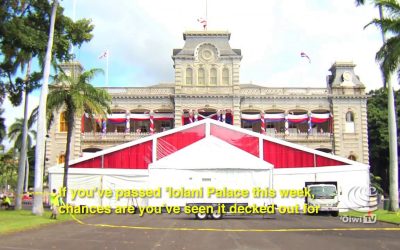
[31,166]
[22,142]
[2,126]
[378,135]
[388,57]
[15,134]
[37,207]
[23,38]
[8,169]
[24,33]
[76,95]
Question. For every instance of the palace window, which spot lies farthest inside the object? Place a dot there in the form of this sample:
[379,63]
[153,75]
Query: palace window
[352,157]
[225,76]
[349,117]
[349,127]
[202,76]
[142,126]
[213,76]
[189,76]
[63,122]
[61,159]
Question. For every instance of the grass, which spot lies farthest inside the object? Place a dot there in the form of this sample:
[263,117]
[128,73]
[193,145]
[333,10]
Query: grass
[381,215]
[13,221]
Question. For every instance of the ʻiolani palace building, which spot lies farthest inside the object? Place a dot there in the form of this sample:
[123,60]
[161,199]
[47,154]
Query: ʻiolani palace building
[207,85]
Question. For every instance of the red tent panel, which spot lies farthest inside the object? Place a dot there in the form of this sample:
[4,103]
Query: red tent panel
[171,143]
[240,140]
[135,157]
[282,156]
[323,161]
[139,156]
[91,163]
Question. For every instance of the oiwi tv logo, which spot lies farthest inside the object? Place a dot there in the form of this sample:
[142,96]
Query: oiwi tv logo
[366,219]
[361,199]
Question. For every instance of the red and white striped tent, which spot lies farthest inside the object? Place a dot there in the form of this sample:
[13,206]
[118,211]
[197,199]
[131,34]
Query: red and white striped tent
[293,164]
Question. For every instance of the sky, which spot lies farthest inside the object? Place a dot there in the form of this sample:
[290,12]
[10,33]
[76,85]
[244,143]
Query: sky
[141,34]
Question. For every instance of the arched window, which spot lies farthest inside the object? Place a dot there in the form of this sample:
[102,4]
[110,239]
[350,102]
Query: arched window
[202,77]
[61,159]
[213,76]
[225,76]
[349,117]
[63,122]
[349,122]
[189,76]
[352,157]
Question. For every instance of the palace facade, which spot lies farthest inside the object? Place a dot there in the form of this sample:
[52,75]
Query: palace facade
[207,85]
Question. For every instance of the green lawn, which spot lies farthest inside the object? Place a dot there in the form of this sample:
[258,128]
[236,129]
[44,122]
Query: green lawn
[12,221]
[381,215]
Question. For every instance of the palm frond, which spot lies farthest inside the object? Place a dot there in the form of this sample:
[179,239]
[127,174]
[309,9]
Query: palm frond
[34,134]
[15,129]
[76,95]
[386,25]
[391,7]
[359,2]
[33,117]
[389,56]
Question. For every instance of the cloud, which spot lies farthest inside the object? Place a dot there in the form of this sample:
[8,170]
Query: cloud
[141,35]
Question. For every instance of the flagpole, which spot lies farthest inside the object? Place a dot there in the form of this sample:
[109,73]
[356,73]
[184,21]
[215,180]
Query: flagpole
[206,14]
[108,55]
[73,19]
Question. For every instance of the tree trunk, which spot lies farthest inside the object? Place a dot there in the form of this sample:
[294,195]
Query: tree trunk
[71,119]
[22,157]
[392,127]
[383,37]
[26,185]
[393,157]
[37,207]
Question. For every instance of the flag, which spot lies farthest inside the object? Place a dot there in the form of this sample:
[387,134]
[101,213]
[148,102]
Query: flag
[302,54]
[203,22]
[104,54]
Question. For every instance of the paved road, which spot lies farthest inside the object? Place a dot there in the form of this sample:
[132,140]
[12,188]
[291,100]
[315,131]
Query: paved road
[173,232]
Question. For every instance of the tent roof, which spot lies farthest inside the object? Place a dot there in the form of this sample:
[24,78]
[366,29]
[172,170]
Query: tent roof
[211,153]
[139,154]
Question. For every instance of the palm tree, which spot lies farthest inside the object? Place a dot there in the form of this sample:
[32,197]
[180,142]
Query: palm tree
[15,133]
[388,57]
[8,168]
[37,207]
[22,134]
[389,54]
[2,126]
[76,95]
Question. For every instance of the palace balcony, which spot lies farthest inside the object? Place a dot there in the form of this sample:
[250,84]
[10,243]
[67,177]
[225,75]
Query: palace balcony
[120,137]
[112,137]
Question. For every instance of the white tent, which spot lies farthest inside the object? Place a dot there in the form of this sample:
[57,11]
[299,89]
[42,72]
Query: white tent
[352,184]
[209,153]
[88,179]
[210,162]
